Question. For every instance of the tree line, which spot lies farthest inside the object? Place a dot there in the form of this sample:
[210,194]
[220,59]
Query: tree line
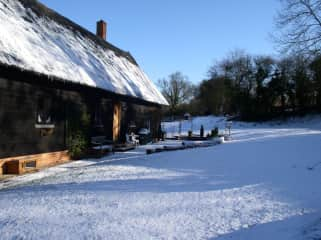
[260,87]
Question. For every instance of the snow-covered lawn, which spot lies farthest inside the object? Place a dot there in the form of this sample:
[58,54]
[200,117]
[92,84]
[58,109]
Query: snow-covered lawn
[265,184]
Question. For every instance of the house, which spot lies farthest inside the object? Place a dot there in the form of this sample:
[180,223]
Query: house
[58,79]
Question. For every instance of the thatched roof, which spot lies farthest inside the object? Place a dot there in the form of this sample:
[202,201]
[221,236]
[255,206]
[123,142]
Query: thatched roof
[35,38]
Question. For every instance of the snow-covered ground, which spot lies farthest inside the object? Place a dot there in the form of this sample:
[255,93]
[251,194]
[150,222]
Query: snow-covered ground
[264,184]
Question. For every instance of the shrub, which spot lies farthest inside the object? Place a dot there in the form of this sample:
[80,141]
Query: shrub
[78,129]
[215,132]
[77,145]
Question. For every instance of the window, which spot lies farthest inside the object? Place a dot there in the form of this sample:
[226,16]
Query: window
[98,117]
[44,111]
[44,116]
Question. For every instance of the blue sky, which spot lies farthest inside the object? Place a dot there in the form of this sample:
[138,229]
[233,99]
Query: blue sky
[178,35]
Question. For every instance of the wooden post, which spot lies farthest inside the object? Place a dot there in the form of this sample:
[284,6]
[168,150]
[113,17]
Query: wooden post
[116,121]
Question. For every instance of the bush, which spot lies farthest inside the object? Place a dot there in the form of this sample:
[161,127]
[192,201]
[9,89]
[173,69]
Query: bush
[77,145]
[78,130]
[214,132]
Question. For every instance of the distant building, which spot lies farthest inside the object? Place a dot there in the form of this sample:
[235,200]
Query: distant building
[55,75]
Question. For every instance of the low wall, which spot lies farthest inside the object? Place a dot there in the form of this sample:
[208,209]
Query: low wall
[17,165]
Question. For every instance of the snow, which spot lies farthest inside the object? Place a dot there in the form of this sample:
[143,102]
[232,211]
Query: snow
[264,184]
[42,45]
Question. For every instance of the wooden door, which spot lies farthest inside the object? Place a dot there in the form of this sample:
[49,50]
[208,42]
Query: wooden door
[116,121]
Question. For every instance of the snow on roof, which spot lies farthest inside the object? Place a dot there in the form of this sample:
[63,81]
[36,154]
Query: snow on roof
[37,39]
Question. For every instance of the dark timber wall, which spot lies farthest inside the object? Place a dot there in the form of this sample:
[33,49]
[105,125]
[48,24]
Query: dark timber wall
[22,103]
[19,103]
[25,95]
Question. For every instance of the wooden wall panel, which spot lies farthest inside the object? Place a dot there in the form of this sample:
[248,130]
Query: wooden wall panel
[16,165]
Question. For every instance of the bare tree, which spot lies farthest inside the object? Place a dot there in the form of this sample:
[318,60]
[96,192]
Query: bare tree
[176,89]
[238,66]
[300,25]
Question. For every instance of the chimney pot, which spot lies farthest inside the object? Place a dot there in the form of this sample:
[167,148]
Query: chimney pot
[102,29]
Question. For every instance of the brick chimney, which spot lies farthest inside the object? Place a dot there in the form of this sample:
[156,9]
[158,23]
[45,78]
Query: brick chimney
[102,29]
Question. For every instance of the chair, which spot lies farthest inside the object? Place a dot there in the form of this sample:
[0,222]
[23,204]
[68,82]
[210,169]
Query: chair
[132,139]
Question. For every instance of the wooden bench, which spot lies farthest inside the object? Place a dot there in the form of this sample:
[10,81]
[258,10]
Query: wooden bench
[101,144]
